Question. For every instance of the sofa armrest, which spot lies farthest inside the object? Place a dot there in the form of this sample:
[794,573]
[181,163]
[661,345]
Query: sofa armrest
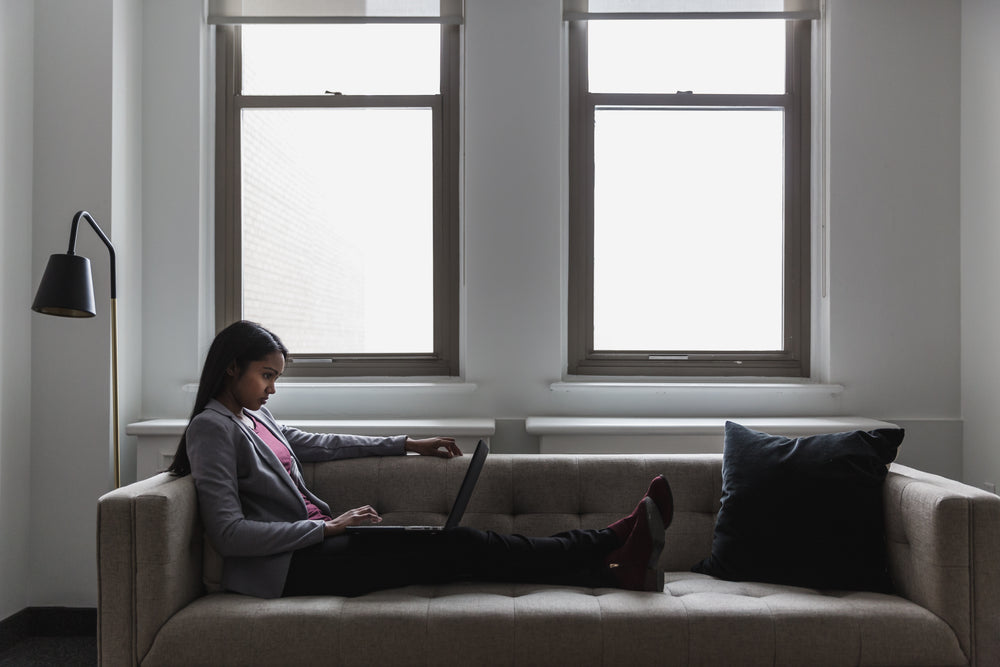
[943,543]
[149,559]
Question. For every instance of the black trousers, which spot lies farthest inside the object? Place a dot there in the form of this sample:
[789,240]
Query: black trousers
[353,565]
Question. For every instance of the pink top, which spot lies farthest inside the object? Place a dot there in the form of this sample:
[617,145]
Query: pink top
[281,451]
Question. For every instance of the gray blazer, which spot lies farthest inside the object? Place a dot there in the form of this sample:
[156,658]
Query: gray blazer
[252,509]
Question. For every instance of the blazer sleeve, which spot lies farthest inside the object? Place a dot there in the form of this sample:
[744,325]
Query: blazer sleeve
[213,451]
[312,447]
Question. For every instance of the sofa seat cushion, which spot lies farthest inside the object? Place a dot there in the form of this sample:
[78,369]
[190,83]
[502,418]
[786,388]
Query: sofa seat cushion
[699,620]
[760,623]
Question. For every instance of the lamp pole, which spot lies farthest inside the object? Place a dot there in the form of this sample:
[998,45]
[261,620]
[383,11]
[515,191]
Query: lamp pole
[114,389]
[114,329]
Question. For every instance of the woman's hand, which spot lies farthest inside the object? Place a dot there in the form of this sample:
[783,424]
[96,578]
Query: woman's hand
[443,447]
[361,516]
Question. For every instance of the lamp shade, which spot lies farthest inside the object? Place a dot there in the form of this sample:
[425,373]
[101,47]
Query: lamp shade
[67,288]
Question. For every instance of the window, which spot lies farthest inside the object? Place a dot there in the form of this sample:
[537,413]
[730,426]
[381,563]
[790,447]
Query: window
[337,206]
[689,196]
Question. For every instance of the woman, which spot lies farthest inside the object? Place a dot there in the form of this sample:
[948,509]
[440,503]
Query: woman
[277,538]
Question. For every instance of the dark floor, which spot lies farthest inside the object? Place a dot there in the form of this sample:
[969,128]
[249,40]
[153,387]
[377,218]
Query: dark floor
[51,651]
[43,636]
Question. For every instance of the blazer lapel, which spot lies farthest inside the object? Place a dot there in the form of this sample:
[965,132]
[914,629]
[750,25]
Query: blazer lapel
[269,456]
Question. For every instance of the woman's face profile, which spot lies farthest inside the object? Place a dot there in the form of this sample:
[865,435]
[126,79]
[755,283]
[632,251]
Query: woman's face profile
[251,388]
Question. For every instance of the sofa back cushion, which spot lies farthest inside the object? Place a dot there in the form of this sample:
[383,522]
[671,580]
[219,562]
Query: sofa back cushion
[532,494]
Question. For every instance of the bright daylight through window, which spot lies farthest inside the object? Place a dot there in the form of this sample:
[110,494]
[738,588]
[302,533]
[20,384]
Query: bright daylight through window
[689,197]
[337,205]
[339,218]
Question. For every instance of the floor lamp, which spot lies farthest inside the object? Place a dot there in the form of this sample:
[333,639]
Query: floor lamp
[67,290]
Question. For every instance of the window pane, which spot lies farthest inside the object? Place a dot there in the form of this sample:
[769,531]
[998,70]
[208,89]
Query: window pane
[688,229]
[337,228]
[366,59]
[711,56]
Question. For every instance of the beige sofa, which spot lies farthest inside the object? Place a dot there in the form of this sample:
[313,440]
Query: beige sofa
[156,605]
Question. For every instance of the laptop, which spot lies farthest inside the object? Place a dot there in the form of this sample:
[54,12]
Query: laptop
[457,509]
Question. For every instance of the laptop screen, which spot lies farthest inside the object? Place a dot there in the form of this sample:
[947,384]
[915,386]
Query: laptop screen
[468,485]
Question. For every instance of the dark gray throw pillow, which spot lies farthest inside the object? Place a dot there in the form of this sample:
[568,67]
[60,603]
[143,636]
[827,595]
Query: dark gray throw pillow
[803,511]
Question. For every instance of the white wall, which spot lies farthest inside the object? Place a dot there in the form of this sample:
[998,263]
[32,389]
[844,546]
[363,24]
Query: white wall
[980,238]
[893,194]
[177,195]
[16,66]
[86,124]
[126,211]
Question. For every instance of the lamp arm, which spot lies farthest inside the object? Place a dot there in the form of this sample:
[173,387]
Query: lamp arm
[100,232]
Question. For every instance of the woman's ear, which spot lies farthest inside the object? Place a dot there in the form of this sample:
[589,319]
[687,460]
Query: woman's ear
[233,370]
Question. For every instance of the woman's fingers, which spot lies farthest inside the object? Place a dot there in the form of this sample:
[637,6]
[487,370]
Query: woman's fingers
[366,514]
[359,516]
[442,447]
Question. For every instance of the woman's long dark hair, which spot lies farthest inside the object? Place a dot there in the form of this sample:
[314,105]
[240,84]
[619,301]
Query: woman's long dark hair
[241,343]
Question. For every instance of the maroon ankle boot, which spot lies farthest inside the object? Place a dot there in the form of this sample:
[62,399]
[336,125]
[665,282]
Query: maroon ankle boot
[659,492]
[635,566]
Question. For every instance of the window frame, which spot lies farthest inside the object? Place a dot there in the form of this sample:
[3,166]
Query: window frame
[794,359]
[230,101]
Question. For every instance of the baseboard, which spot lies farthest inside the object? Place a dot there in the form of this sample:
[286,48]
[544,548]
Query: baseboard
[48,622]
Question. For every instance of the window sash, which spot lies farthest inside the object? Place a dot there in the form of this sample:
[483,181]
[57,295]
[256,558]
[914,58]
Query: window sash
[793,359]
[235,12]
[444,360]
[584,10]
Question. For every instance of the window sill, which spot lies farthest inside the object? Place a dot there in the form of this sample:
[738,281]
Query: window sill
[680,426]
[430,386]
[473,427]
[703,387]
